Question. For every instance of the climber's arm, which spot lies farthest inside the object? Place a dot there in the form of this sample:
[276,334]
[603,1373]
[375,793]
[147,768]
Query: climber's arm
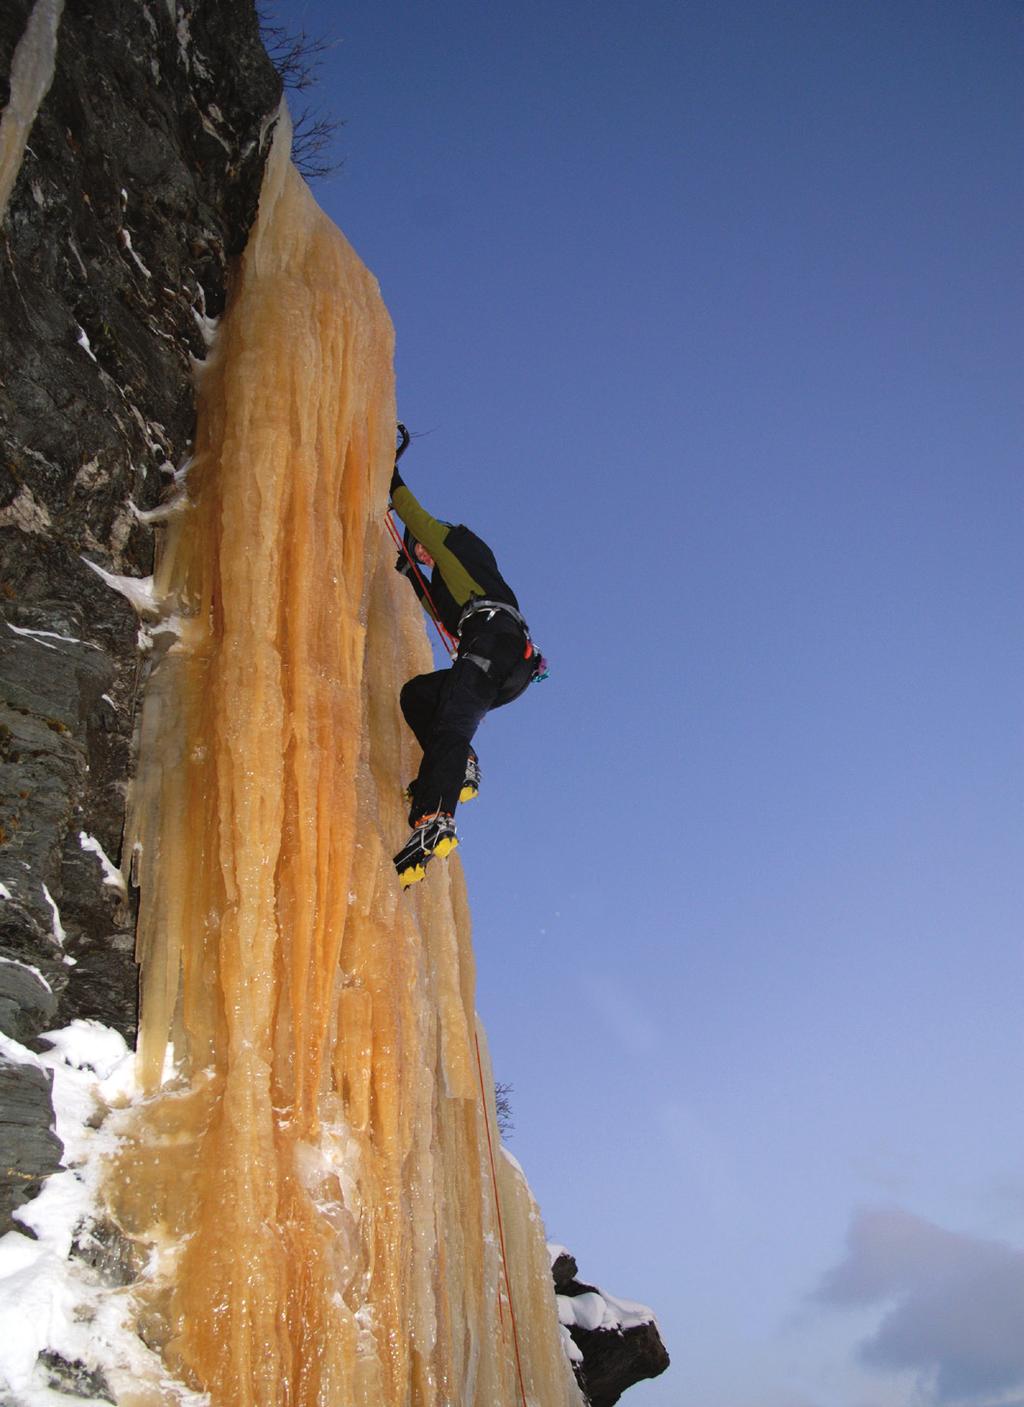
[424,528]
[432,535]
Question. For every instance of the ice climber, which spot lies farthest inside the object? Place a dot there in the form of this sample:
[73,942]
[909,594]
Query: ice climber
[494,662]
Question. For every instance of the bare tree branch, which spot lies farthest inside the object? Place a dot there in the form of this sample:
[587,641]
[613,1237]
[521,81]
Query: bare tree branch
[297,58]
[503,1109]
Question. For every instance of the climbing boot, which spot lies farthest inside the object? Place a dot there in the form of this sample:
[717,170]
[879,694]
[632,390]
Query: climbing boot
[431,835]
[471,781]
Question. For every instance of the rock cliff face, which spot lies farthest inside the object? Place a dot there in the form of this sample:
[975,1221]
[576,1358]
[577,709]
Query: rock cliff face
[137,187]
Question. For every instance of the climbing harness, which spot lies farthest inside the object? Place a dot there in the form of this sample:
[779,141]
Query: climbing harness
[479,605]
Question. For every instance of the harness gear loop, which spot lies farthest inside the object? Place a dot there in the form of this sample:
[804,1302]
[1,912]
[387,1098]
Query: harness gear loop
[479,604]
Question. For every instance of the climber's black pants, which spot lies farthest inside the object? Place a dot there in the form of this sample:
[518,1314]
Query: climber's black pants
[444,710]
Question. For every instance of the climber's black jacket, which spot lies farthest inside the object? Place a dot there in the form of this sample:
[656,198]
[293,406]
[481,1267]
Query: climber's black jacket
[464,568]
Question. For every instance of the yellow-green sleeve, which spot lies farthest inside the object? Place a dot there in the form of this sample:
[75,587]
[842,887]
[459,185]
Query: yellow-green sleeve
[432,535]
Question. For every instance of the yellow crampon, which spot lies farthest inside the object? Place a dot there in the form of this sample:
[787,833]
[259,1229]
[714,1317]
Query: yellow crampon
[432,835]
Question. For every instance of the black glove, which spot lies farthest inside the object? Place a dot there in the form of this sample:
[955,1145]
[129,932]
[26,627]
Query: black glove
[397,482]
[403,565]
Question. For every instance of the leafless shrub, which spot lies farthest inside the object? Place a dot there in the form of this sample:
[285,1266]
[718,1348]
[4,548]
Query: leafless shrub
[503,1109]
[297,57]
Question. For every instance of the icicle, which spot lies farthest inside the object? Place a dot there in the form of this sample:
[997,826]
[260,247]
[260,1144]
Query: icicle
[31,75]
[137,590]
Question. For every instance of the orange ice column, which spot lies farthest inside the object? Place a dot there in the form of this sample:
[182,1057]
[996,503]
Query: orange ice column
[314,1179]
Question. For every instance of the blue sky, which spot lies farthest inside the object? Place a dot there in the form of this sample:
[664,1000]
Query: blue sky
[708,321]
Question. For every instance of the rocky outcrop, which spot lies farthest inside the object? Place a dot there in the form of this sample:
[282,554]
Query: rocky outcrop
[616,1343]
[138,185]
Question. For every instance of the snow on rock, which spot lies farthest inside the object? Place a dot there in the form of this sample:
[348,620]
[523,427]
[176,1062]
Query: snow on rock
[614,1342]
[112,876]
[43,637]
[572,1349]
[17,1054]
[85,344]
[51,1301]
[125,241]
[56,927]
[597,1310]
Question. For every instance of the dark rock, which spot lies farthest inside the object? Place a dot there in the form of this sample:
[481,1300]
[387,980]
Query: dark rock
[31,1150]
[138,187]
[75,1379]
[27,1002]
[105,986]
[563,1272]
[613,1359]
[117,1258]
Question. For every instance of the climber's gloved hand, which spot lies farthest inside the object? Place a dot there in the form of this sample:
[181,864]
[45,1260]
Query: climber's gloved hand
[403,566]
[397,482]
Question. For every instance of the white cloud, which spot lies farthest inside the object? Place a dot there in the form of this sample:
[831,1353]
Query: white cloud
[953,1306]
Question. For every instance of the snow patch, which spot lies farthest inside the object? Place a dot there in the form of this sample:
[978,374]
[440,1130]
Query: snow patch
[42,636]
[595,1309]
[571,1348]
[51,1301]
[112,876]
[56,927]
[125,240]
[17,1054]
[85,344]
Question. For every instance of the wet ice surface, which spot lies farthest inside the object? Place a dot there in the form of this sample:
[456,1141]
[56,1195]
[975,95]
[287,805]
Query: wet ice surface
[316,1153]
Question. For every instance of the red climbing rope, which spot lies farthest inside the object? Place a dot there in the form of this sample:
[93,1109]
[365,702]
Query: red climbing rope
[501,1228]
[449,642]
